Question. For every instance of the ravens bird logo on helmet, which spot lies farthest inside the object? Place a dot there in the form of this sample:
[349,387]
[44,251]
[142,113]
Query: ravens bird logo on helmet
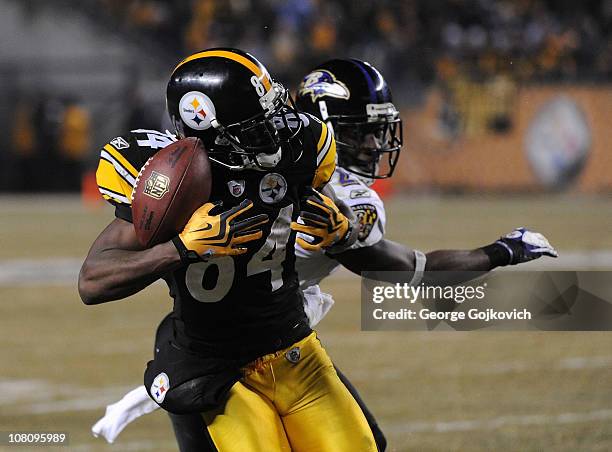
[353,98]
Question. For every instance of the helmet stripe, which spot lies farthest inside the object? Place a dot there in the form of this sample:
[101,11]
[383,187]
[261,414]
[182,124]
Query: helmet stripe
[369,81]
[254,68]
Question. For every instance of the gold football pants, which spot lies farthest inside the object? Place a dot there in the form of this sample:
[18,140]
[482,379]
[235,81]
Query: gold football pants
[290,401]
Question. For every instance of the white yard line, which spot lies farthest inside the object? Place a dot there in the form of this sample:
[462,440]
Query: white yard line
[89,403]
[127,446]
[495,423]
[393,373]
[63,271]
[97,402]
[30,272]
[41,397]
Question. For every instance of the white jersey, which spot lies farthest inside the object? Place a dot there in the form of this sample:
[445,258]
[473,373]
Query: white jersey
[313,266]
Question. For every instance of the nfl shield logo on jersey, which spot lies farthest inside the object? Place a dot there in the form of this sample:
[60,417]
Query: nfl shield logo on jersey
[272,188]
[160,387]
[236,187]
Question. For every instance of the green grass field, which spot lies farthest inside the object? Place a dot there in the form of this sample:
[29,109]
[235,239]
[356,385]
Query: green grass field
[62,362]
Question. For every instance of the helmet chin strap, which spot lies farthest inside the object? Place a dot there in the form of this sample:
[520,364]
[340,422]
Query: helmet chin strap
[261,161]
[366,180]
[323,110]
[269,160]
[264,161]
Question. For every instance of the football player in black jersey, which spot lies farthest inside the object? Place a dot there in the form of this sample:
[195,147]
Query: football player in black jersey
[354,99]
[241,351]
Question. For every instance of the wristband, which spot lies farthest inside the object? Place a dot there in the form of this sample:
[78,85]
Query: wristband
[420,260]
[187,256]
[352,233]
[499,254]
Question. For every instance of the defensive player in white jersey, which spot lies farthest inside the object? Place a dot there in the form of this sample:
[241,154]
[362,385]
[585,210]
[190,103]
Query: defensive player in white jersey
[354,100]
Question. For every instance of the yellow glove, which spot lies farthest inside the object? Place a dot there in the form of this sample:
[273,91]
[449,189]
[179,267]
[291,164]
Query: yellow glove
[209,235]
[323,221]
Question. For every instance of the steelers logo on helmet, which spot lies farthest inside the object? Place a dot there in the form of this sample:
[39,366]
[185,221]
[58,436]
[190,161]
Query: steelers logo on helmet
[272,188]
[323,83]
[197,110]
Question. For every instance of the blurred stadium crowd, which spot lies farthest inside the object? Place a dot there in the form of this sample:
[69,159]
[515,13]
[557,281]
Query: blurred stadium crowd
[464,47]
[530,39]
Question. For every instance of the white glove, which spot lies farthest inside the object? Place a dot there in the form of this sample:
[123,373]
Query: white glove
[524,245]
[118,415]
[316,304]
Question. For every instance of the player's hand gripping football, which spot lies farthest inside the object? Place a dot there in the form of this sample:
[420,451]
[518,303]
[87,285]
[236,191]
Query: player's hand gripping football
[524,245]
[323,221]
[208,235]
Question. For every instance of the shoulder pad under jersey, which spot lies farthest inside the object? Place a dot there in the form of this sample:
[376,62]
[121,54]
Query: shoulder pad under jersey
[121,159]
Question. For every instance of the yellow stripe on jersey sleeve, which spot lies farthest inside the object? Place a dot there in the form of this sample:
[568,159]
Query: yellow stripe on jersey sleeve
[326,158]
[322,138]
[121,159]
[111,185]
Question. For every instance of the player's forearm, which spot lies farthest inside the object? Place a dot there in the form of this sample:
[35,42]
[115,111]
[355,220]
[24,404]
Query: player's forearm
[112,274]
[440,265]
[458,260]
[455,266]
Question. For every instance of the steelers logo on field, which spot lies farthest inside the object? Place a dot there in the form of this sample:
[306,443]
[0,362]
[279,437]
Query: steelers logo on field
[272,188]
[160,387]
[196,110]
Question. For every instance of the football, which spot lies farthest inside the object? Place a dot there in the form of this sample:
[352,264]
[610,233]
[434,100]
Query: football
[171,185]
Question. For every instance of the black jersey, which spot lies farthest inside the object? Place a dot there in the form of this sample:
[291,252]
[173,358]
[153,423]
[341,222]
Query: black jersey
[244,305]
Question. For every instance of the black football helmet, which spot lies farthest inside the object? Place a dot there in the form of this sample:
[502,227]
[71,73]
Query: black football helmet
[227,98]
[352,97]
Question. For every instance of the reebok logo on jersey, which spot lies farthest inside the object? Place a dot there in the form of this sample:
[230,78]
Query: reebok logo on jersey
[360,193]
[119,143]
